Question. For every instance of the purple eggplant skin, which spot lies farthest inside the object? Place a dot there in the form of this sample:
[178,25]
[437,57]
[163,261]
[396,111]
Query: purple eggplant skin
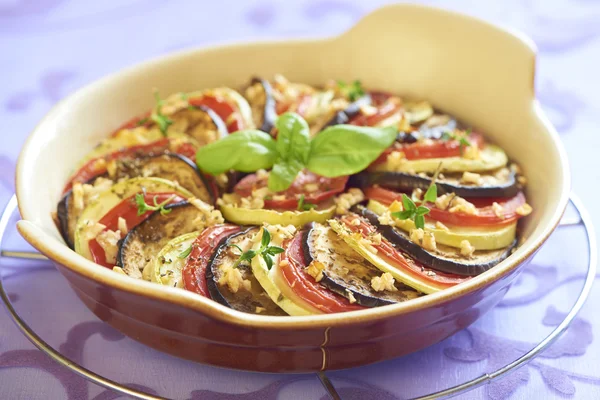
[269,112]
[62,216]
[328,282]
[401,241]
[243,300]
[345,115]
[404,182]
[218,121]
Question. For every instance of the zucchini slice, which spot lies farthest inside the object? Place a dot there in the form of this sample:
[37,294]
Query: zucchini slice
[224,284]
[169,261]
[276,287]
[381,262]
[111,198]
[445,258]
[482,238]
[492,157]
[143,242]
[250,216]
[346,272]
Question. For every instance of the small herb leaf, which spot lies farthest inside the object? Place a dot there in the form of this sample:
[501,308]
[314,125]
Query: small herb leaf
[268,260]
[265,240]
[420,221]
[422,210]
[406,214]
[408,204]
[431,193]
[185,253]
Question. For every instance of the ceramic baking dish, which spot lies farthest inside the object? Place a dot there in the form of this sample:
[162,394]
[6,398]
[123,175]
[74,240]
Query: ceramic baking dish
[480,73]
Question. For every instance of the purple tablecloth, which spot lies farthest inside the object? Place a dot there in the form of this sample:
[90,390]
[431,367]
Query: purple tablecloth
[48,48]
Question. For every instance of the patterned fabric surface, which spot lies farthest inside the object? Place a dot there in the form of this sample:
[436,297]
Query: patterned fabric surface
[49,48]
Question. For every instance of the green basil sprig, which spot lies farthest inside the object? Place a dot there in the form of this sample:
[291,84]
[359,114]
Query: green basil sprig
[338,150]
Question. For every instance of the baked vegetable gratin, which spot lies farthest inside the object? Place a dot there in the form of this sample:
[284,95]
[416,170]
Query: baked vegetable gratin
[289,199]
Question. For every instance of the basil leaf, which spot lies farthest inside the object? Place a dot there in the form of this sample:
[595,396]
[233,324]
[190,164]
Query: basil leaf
[244,151]
[421,210]
[274,250]
[420,221]
[268,260]
[283,174]
[408,203]
[431,193]
[265,240]
[347,149]
[293,140]
[406,214]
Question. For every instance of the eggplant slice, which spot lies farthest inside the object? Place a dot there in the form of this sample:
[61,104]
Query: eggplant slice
[493,186]
[260,96]
[345,271]
[173,167]
[144,241]
[445,259]
[345,115]
[253,300]
[199,122]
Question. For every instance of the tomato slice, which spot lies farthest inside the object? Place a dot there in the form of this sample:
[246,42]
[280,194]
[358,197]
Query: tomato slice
[315,188]
[97,166]
[228,112]
[436,149]
[485,213]
[397,259]
[384,111]
[194,271]
[305,285]
[126,209]
[301,105]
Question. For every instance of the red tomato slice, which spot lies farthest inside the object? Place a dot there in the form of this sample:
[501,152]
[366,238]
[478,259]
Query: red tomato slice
[305,285]
[485,216]
[194,271]
[126,209]
[325,189]
[437,149]
[302,103]
[97,166]
[384,111]
[397,259]
[228,112]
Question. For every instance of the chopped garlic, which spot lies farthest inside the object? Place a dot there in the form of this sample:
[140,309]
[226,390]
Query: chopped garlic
[108,241]
[77,196]
[262,174]
[91,229]
[443,201]
[524,210]
[429,242]
[232,277]
[351,297]
[498,210]
[502,173]
[284,263]
[417,194]
[516,168]
[375,239]
[122,226]
[471,177]
[395,160]
[424,239]
[522,180]
[472,153]
[258,309]
[461,205]
[386,218]
[315,269]
[311,187]
[209,215]
[466,249]
[416,235]
[346,200]
[396,206]
[279,233]
[383,282]
[355,222]
[441,226]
